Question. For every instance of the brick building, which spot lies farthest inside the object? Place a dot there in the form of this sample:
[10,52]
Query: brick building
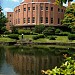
[34,12]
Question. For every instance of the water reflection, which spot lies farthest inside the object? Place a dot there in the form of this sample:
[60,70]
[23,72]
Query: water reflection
[31,64]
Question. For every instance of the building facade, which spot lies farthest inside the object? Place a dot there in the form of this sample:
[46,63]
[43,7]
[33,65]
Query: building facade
[36,12]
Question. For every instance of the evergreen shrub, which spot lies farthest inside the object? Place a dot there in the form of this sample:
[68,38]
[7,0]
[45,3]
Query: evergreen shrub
[14,36]
[38,36]
[71,36]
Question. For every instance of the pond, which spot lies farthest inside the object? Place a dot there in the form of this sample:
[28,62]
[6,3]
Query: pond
[29,60]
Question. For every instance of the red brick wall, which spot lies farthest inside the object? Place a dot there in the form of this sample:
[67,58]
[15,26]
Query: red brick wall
[10,20]
[18,17]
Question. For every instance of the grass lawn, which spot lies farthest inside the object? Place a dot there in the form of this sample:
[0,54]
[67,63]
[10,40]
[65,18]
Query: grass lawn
[3,39]
[58,39]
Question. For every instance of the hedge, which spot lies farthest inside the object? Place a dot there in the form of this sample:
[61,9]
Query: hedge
[38,36]
[71,36]
[14,36]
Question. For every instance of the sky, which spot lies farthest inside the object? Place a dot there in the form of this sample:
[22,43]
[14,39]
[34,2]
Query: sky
[9,5]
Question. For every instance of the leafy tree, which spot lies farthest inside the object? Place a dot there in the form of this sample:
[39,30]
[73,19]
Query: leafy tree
[39,28]
[60,2]
[69,18]
[49,31]
[3,20]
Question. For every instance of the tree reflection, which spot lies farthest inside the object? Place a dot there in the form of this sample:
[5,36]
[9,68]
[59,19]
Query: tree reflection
[2,56]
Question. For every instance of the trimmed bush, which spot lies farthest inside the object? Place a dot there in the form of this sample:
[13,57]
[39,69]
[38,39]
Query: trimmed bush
[52,38]
[71,36]
[64,33]
[49,31]
[39,28]
[25,32]
[38,36]
[7,32]
[14,36]
[57,31]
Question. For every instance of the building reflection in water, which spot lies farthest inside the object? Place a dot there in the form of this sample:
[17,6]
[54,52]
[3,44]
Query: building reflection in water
[31,64]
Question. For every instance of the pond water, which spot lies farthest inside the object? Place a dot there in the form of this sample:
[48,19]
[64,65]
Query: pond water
[27,61]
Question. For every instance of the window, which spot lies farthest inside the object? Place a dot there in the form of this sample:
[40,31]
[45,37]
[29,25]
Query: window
[10,15]
[51,8]
[46,19]
[46,8]
[19,10]
[24,9]
[33,20]
[51,20]
[28,8]
[41,7]
[28,20]
[58,20]
[41,20]
[24,20]
[18,20]
[58,10]
[33,8]
[61,10]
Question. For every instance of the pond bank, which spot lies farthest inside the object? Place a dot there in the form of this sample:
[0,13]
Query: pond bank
[38,43]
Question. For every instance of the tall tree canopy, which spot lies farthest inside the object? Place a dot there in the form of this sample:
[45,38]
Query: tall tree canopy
[3,20]
[69,17]
[60,2]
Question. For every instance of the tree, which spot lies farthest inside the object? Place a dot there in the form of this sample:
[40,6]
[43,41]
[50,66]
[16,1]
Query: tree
[3,20]
[49,31]
[39,28]
[60,2]
[69,17]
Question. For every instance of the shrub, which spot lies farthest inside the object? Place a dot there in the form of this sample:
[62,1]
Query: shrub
[7,32]
[64,33]
[57,31]
[25,32]
[14,36]
[38,36]
[39,28]
[49,31]
[67,68]
[71,36]
[52,38]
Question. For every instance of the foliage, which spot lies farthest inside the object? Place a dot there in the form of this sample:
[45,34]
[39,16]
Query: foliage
[67,68]
[25,32]
[64,33]
[3,29]
[3,20]
[60,2]
[7,32]
[57,31]
[73,29]
[14,36]
[71,36]
[14,30]
[39,28]
[69,18]
[49,31]
[38,36]
[52,37]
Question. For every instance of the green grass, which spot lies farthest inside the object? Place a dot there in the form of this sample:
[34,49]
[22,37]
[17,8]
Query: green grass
[29,37]
[2,39]
[26,36]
